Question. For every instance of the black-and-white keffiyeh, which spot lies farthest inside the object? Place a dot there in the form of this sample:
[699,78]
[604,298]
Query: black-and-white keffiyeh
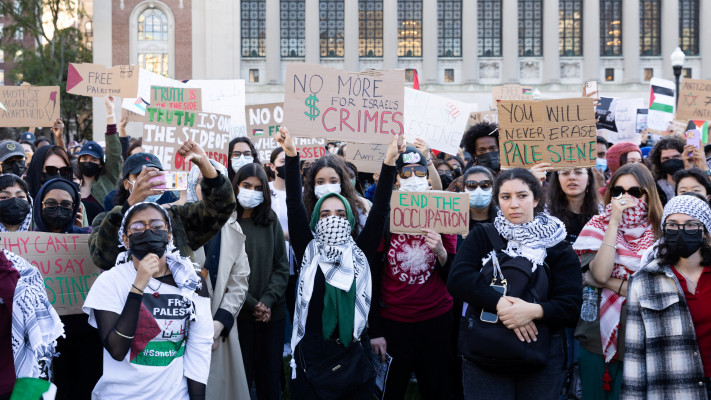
[35,324]
[530,240]
[26,224]
[341,260]
[182,269]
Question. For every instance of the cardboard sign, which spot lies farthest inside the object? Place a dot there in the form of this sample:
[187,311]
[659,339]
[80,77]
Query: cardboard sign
[483,116]
[309,149]
[437,120]
[27,105]
[224,96]
[63,260]
[176,98]
[96,80]
[366,157]
[694,100]
[511,92]
[441,211]
[165,131]
[336,105]
[561,132]
[146,79]
[263,120]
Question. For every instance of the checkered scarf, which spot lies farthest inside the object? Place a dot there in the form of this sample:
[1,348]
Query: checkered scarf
[634,236]
[530,240]
[336,253]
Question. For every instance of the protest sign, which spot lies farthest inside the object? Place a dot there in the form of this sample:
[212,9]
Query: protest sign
[641,121]
[64,262]
[336,105]
[661,105]
[702,127]
[694,100]
[561,132]
[483,116]
[605,113]
[441,211]
[309,149]
[146,79]
[511,92]
[224,96]
[437,120]
[263,120]
[626,119]
[165,131]
[96,80]
[366,157]
[176,98]
[27,105]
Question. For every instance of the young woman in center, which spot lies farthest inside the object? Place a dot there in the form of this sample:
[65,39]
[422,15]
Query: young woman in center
[573,198]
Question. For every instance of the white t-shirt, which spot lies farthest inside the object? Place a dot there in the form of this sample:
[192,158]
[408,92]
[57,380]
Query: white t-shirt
[161,355]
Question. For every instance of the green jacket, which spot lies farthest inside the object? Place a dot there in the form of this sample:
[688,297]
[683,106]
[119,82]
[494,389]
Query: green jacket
[106,182]
[193,223]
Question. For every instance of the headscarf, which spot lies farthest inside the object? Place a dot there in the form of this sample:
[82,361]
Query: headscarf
[194,176]
[530,240]
[635,235]
[69,187]
[347,274]
[33,176]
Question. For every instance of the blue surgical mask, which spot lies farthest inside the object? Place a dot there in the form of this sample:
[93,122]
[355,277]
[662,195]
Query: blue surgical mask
[479,198]
[601,164]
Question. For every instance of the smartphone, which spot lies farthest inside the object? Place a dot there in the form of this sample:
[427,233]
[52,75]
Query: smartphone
[492,318]
[173,181]
[693,137]
[590,89]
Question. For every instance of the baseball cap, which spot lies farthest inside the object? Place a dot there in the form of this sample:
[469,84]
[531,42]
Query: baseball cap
[10,148]
[28,137]
[135,163]
[410,156]
[92,149]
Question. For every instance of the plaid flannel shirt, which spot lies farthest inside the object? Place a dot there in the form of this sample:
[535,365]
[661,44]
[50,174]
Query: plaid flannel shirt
[662,359]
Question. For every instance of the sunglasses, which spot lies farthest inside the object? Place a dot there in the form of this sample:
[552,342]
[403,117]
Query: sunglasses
[484,185]
[419,171]
[64,172]
[634,191]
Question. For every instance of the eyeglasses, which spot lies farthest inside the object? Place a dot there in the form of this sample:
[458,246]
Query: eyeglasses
[64,172]
[241,153]
[419,171]
[155,225]
[484,185]
[690,227]
[576,172]
[52,204]
[634,191]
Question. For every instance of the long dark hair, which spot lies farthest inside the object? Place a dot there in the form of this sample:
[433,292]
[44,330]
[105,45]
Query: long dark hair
[557,200]
[527,178]
[647,183]
[261,214]
[358,186]
[667,257]
[347,190]
[33,177]
[233,142]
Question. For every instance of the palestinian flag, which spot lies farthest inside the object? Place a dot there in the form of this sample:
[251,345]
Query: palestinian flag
[702,126]
[527,91]
[661,96]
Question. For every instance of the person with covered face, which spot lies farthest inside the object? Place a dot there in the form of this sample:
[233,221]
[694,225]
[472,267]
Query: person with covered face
[57,208]
[152,312]
[12,158]
[15,204]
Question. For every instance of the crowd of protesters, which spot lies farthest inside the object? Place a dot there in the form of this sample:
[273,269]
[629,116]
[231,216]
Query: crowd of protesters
[268,277]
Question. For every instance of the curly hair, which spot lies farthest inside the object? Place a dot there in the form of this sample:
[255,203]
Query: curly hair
[527,178]
[655,155]
[557,201]
[477,131]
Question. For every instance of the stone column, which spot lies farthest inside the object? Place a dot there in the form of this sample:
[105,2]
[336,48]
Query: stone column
[313,29]
[509,39]
[551,51]
[591,39]
[670,34]
[351,35]
[705,43]
[390,39]
[273,33]
[429,41]
[630,40]
[470,50]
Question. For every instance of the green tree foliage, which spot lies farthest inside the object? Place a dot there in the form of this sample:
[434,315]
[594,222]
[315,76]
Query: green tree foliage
[54,47]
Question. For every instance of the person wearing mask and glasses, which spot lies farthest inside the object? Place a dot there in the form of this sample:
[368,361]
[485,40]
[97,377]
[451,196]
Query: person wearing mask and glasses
[242,152]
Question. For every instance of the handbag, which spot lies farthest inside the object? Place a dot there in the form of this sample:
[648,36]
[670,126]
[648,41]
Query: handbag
[340,374]
[490,344]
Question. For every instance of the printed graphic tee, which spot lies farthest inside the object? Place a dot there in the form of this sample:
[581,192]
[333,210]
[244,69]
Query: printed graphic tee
[413,289]
[161,356]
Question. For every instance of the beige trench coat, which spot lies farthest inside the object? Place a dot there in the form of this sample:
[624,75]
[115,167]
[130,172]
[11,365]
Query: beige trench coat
[227,377]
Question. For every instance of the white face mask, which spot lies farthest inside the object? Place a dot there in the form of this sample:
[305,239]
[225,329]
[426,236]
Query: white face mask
[479,198]
[241,161]
[414,184]
[249,198]
[322,190]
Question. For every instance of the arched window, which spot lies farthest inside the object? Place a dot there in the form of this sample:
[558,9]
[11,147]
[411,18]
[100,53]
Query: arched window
[152,25]
[530,28]
[611,27]
[489,28]
[570,28]
[370,27]
[152,38]
[650,21]
[293,27]
[449,28]
[332,28]
[689,26]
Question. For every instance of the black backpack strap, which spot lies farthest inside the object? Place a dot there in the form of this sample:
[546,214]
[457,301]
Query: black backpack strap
[494,237]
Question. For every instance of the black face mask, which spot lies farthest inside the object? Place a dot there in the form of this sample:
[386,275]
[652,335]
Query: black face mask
[148,242]
[89,169]
[58,218]
[17,167]
[669,167]
[305,172]
[281,172]
[489,160]
[47,177]
[14,211]
[446,180]
[683,244]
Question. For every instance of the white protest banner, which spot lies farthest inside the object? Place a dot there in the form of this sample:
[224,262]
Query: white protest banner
[661,105]
[146,79]
[223,96]
[336,105]
[626,121]
[437,120]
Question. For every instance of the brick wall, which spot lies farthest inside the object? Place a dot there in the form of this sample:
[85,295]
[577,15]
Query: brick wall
[8,63]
